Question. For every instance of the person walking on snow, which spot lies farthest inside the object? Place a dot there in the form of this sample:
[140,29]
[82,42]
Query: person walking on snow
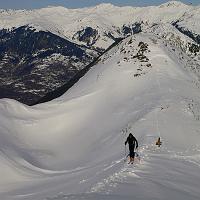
[132,141]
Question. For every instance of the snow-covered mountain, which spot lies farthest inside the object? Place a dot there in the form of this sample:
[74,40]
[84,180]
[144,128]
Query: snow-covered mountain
[73,146]
[104,19]
[146,83]
[32,64]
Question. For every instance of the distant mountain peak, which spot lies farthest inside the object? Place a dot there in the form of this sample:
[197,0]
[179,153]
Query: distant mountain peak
[172,4]
[104,5]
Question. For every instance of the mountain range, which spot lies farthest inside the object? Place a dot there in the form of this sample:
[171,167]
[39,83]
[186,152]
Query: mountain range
[42,50]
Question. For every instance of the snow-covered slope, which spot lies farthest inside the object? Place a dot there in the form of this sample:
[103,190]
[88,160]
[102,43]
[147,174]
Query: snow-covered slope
[73,146]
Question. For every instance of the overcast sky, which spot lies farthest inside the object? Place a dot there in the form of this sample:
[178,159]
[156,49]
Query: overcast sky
[31,4]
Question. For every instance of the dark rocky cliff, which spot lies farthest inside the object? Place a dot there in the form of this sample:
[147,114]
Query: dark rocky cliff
[33,63]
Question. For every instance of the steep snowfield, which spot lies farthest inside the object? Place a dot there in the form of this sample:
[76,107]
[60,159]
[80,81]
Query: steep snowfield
[73,146]
[105,18]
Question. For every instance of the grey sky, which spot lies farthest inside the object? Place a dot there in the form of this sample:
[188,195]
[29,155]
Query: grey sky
[31,4]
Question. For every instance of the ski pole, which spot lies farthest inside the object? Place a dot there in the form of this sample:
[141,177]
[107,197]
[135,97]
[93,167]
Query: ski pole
[125,154]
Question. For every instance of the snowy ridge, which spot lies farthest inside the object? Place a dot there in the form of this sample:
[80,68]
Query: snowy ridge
[73,146]
[39,65]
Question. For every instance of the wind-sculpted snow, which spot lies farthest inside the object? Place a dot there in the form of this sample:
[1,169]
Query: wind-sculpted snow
[73,146]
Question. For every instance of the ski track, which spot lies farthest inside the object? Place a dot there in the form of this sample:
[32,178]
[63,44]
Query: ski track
[166,180]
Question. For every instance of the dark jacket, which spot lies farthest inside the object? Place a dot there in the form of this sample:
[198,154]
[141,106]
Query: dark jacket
[132,141]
